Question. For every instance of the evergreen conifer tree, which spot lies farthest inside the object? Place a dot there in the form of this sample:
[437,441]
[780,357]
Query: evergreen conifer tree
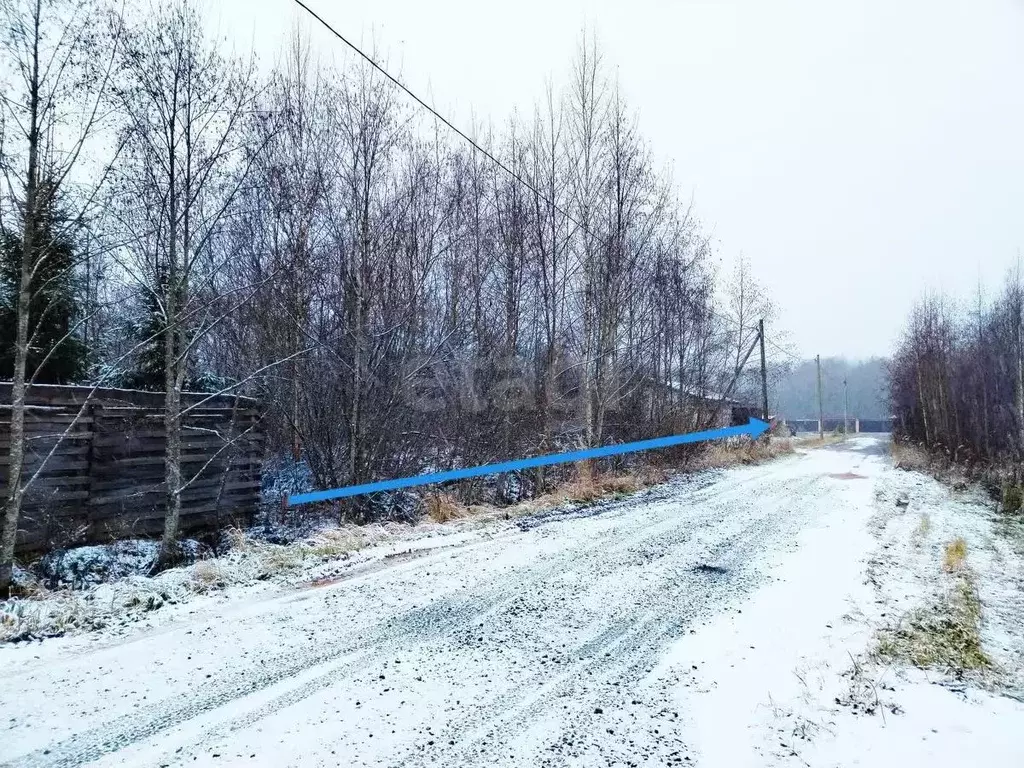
[56,355]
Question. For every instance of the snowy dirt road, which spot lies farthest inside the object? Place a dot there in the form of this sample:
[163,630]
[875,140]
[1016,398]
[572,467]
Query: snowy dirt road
[660,629]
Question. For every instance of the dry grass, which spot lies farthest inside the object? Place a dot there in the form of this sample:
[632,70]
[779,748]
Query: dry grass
[443,507]
[275,559]
[722,454]
[585,487]
[207,575]
[237,539]
[268,560]
[588,486]
[955,555]
[947,634]
[910,457]
[339,540]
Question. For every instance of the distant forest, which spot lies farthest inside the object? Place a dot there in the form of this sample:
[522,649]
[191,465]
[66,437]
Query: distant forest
[797,389]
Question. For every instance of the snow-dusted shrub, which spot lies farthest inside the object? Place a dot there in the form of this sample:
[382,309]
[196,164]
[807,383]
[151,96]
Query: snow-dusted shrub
[397,507]
[283,476]
[81,567]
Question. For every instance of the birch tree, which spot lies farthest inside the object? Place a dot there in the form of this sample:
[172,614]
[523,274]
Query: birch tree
[586,107]
[184,106]
[59,54]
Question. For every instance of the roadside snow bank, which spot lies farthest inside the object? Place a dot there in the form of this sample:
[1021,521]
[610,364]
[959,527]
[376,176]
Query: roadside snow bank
[250,566]
[108,587]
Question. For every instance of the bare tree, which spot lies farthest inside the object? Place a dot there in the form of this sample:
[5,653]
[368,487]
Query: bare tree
[748,302]
[60,53]
[184,107]
[551,249]
[586,106]
[281,228]
[955,380]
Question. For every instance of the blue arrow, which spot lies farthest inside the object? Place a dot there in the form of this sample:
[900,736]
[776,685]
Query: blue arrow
[754,428]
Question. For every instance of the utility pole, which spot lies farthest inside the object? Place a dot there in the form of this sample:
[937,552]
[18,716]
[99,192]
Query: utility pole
[764,371]
[846,408]
[821,414]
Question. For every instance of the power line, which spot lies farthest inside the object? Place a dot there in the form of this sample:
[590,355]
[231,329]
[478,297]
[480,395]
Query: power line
[791,355]
[439,116]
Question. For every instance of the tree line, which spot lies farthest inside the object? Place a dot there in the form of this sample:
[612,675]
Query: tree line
[865,392]
[957,378]
[174,217]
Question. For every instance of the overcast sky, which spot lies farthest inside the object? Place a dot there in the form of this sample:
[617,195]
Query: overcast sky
[858,153]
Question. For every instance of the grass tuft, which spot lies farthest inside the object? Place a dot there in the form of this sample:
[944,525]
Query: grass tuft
[336,542]
[443,507]
[207,575]
[1013,498]
[947,634]
[955,554]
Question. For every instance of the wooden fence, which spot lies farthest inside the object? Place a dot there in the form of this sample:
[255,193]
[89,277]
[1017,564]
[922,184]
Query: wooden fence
[104,478]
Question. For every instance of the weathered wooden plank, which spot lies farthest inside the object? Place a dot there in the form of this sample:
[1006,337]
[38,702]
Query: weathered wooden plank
[34,439]
[119,465]
[116,410]
[65,512]
[57,465]
[145,494]
[50,394]
[149,495]
[33,458]
[204,481]
[50,472]
[156,438]
[34,420]
[53,497]
[223,512]
[48,482]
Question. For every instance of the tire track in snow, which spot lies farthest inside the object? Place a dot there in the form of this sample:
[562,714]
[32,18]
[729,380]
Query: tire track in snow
[666,524]
[622,654]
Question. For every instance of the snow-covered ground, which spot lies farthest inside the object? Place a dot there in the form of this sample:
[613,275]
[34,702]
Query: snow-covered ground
[718,620]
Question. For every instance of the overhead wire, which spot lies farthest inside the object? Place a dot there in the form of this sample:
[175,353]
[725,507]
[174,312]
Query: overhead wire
[439,116]
[792,355]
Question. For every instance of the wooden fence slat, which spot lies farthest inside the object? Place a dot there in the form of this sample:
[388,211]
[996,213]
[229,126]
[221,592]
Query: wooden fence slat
[225,510]
[154,439]
[204,482]
[209,488]
[33,458]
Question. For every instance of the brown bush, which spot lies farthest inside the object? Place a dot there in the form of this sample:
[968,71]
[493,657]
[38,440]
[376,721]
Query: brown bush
[443,507]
